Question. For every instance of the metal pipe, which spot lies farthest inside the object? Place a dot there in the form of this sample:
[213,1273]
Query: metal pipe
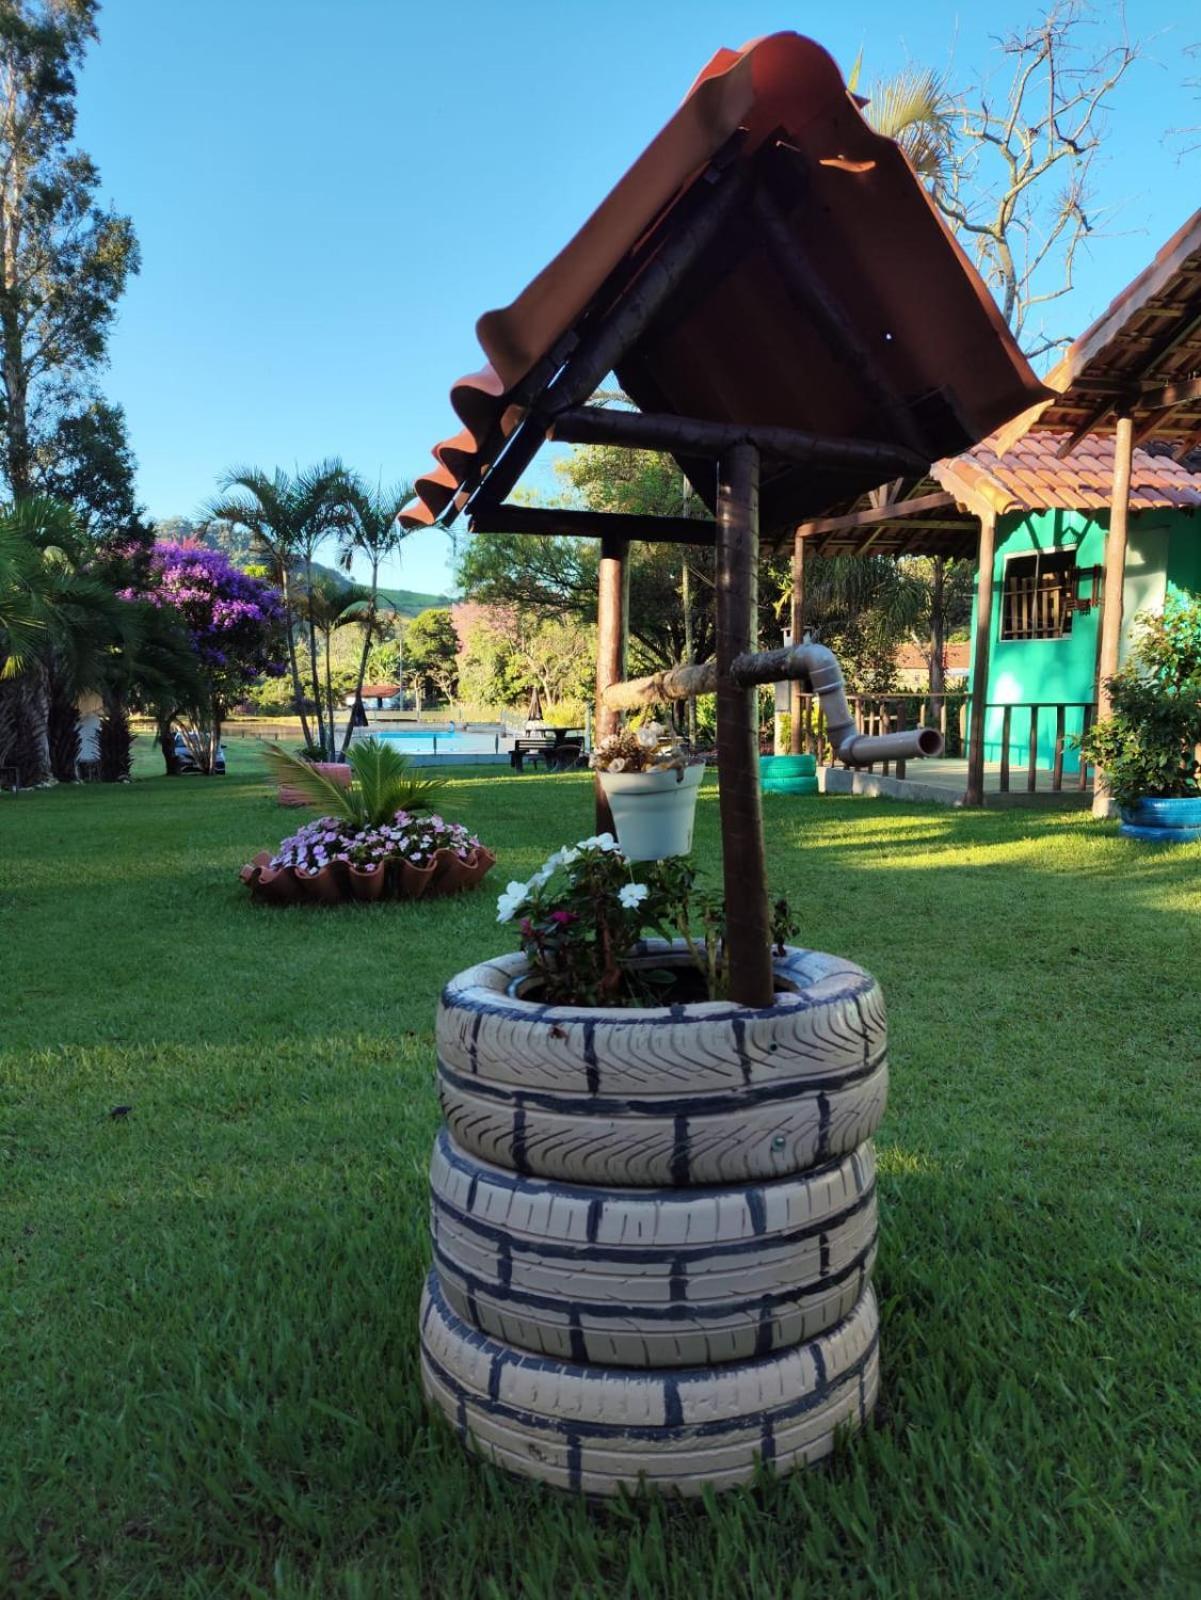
[820,666]
[810,661]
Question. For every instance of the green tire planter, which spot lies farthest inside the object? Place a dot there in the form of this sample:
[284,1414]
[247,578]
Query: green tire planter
[788,774]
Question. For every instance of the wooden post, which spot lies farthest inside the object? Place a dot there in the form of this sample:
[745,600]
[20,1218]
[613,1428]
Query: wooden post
[748,923]
[690,724]
[611,615]
[1115,578]
[795,743]
[985,559]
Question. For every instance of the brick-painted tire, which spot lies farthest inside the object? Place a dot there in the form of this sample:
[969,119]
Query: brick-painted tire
[598,1430]
[709,1093]
[652,1277]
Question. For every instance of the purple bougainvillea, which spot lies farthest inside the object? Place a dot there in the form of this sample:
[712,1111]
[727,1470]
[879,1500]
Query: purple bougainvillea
[234,620]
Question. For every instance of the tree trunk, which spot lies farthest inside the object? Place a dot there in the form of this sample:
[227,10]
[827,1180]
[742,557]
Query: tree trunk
[63,730]
[33,721]
[166,740]
[363,654]
[115,743]
[293,661]
[315,661]
[938,638]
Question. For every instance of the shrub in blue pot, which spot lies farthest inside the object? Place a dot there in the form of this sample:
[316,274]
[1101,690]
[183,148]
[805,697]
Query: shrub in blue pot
[1147,747]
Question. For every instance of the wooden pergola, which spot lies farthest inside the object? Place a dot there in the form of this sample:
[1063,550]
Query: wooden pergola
[1135,373]
[734,282]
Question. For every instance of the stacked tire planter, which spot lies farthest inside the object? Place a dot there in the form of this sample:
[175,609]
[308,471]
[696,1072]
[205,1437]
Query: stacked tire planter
[654,1229]
[788,774]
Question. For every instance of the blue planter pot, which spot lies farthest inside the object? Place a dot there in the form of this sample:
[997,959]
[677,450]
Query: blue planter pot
[1159,821]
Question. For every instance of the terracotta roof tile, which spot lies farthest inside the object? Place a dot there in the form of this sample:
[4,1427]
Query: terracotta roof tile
[732,346]
[1031,477]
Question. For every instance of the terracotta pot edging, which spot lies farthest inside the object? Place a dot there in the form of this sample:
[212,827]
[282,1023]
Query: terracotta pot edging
[336,883]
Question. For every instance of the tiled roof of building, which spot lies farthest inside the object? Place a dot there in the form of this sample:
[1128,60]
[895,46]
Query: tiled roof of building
[1031,477]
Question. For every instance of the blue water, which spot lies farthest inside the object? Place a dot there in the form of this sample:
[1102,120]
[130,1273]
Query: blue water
[427,743]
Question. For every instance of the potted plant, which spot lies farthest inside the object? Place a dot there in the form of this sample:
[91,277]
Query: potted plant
[338,772]
[651,789]
[1146,749]
[653,1209]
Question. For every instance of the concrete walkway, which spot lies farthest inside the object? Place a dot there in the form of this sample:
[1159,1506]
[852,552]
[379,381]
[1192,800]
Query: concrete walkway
[944,779]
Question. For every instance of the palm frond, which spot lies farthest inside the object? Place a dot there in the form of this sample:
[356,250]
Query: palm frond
[914,109]
[383,778]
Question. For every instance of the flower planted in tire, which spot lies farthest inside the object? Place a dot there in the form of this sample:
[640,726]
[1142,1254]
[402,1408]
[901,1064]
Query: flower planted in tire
[582,914]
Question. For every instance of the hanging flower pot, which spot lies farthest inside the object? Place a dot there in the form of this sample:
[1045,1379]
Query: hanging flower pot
[367,883]
[653,812]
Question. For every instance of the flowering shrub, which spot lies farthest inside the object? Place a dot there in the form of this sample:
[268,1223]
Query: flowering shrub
[406,838]
[318,843]
[424,837]
[583,913]
[650,748]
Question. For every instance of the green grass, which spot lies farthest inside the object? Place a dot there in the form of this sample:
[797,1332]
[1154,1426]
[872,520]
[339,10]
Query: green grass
[207,1320]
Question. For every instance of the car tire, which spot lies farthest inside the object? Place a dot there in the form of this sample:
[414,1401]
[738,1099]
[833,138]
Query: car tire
[601,1430]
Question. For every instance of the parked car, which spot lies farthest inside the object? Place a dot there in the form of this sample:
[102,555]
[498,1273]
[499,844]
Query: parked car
[187,762]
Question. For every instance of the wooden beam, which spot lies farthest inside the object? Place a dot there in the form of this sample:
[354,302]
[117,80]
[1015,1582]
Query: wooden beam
[797,619]
[551,523]
[611,623]
[696,436]
[818,304]
[1115,579]
[899,511]
[1164,397]
[615,331]
[744,867]
[986,560]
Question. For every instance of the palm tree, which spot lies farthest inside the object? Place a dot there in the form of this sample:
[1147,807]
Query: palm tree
[914,109]
[289,518]
[372,532]
[57,627]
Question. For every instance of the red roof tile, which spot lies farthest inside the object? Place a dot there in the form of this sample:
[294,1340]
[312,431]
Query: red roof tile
[1031,477]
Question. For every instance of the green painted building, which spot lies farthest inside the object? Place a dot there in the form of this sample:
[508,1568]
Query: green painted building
[1052,518]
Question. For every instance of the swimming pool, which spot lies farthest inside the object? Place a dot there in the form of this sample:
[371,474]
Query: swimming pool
[433,744]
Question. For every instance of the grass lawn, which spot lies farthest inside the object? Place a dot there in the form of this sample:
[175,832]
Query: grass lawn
[207,1309]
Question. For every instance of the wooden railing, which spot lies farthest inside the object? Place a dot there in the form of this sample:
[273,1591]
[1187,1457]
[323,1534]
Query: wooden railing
[889,713]
[1033,713]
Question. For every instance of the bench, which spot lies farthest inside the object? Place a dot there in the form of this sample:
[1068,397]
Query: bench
[533,750]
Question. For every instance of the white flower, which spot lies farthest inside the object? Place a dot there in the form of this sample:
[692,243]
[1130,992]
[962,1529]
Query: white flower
[632,894]
[617,764]
[599,841]
[647,737]
[506,904]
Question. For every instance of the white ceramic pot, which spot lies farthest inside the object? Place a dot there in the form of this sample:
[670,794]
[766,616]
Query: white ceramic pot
[653,812]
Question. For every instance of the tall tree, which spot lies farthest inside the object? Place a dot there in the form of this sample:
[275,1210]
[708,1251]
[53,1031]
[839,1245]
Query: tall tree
[288,519]
[372,533]
[64,259]
[432,652]
[233,622]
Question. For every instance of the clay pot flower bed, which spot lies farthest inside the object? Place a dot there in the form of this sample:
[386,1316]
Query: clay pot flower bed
[374,843]
[410,858]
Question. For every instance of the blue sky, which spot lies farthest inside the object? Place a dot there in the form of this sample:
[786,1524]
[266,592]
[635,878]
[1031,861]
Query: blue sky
[329,192]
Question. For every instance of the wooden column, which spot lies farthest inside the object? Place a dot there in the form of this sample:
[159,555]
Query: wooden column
[986,559]
[748,923]
[611,613]
[795,741]
[1115,578]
